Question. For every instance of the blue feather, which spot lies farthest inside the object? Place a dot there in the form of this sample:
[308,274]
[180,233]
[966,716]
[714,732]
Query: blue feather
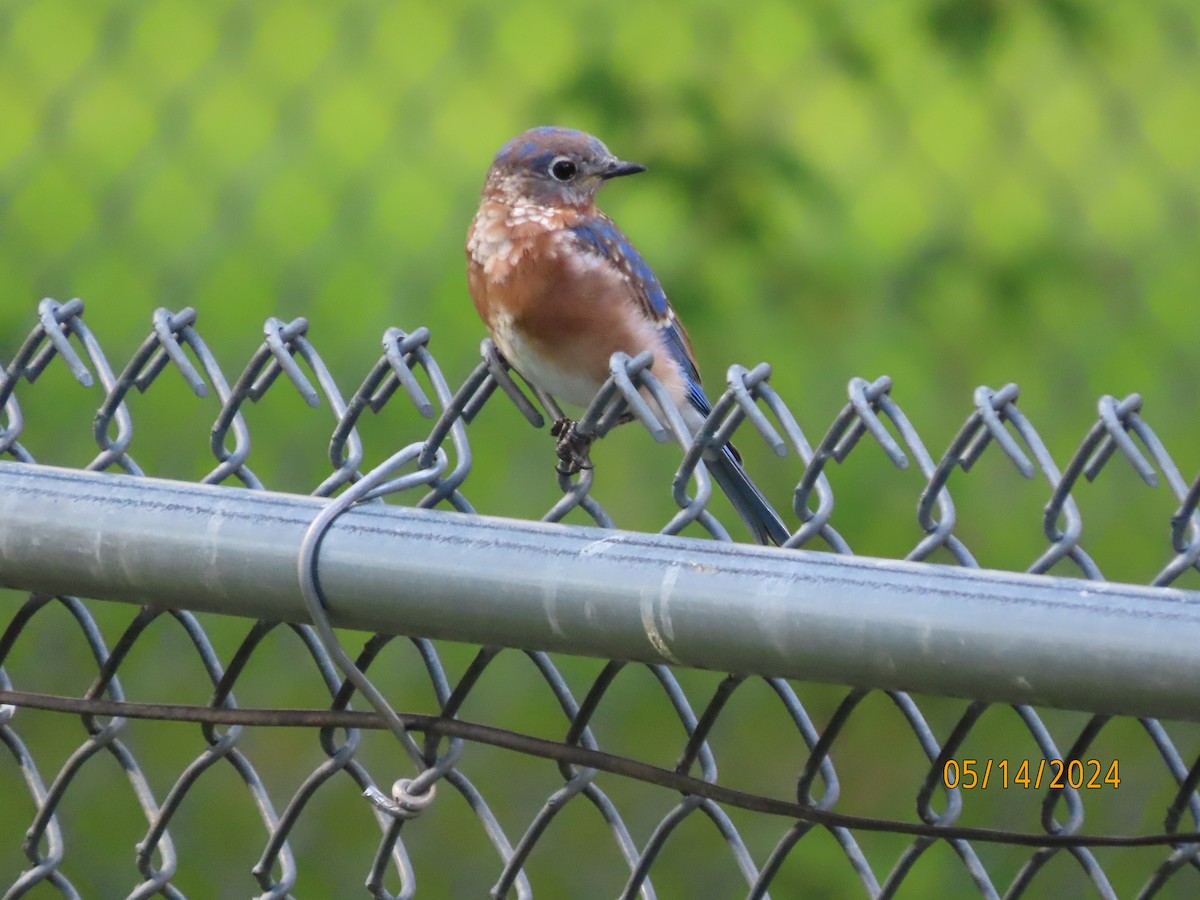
[601,237]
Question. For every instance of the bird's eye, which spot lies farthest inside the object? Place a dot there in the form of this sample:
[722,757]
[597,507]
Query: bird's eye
[563,169]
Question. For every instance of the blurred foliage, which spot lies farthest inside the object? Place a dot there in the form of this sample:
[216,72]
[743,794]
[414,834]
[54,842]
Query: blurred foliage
[951,193]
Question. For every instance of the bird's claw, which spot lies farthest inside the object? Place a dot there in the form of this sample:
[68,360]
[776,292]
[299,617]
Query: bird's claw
[573,447]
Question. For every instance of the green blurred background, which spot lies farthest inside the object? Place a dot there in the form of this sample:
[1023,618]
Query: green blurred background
[950,193]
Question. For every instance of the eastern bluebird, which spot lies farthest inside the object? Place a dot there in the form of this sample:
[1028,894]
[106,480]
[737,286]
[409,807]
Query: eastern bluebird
[561,289]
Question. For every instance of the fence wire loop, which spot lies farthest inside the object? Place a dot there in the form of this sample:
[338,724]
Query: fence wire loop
[748,386]
[409,797]
[1118,420]
[402,352]
[995,408]
[499,370]
[58,320]
[168,327]
[283,341]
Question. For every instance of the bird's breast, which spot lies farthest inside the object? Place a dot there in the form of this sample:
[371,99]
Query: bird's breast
[502,236]
[556,313]
[557,368]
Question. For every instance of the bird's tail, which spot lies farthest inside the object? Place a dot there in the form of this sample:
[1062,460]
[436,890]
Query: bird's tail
[746,498]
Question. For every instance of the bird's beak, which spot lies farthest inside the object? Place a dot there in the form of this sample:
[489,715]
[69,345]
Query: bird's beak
[616,168]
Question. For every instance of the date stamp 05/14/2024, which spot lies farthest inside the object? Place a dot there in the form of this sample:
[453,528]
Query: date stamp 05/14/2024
[1080,774]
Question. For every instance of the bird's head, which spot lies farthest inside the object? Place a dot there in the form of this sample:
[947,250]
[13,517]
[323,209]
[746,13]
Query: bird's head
[554,167]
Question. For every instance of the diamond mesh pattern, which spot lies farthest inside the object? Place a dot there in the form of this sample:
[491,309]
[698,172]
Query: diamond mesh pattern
[247,804]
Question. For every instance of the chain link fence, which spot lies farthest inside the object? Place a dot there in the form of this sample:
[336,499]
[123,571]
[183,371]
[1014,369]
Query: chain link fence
[550,773]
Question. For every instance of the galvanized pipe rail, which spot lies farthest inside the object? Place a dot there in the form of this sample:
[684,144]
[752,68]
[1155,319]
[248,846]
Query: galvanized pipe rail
[999,636]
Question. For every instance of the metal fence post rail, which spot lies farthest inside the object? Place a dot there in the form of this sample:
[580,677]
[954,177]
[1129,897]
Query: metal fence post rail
[996,636]
[667,715]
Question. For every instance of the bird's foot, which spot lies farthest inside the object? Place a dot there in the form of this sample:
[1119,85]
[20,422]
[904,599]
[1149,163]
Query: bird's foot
[573,447]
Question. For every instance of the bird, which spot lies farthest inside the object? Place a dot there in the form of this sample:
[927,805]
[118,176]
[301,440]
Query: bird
[561,288]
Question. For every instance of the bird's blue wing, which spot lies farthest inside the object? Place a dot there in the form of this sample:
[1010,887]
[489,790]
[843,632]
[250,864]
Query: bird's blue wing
[600,236]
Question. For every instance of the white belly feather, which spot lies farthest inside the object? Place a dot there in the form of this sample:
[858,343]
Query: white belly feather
[568,386]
